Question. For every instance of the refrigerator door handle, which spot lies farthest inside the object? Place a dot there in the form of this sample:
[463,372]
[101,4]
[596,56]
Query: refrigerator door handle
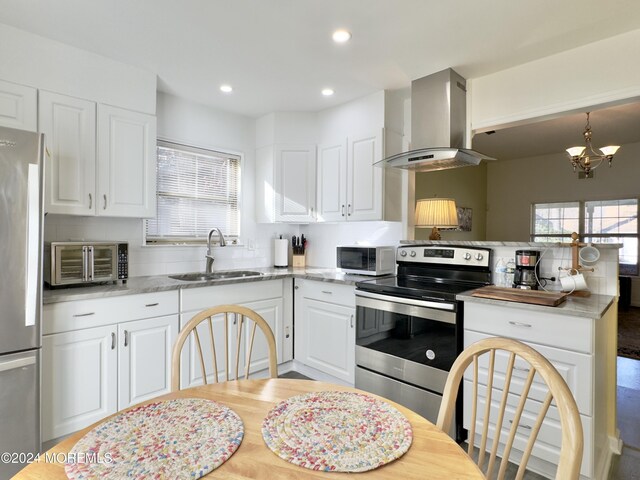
[19,363]
[33,242]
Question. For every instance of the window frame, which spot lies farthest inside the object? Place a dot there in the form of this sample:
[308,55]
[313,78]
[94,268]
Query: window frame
[581,225]
[198,241]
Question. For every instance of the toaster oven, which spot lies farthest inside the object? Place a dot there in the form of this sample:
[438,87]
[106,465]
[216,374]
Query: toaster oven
[78,263]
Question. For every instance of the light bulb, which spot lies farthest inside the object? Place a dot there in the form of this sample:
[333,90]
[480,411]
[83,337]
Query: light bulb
[341,36]
[226,88]
[327,92]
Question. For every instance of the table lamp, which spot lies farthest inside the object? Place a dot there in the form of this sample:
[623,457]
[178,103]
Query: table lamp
[436,213]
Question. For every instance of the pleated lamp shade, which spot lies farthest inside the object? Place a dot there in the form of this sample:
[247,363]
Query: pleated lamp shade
[436,213]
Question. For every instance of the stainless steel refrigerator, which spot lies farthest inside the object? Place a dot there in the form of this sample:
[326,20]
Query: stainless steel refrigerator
[21,207]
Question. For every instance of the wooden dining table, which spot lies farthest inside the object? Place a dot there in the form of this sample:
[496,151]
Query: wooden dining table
[432,455]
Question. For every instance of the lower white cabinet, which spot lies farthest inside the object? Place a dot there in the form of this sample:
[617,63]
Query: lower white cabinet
[325,327]
[89,373]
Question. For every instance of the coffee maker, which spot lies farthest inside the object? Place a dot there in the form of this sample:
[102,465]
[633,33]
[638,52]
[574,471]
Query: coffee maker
[527,271]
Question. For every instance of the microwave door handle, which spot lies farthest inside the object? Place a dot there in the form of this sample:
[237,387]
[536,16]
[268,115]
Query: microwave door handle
[91,265]
[33,242]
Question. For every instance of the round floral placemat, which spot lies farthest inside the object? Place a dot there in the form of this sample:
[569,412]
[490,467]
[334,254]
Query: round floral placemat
[182,438]
[337,431]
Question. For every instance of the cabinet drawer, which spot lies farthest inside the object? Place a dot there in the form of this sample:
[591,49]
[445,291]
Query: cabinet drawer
[575,368]
[230,294]
[75,315]
[336,293]
[547,446]
[556,330]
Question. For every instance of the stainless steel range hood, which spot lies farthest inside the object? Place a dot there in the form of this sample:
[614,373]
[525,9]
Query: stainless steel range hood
[438,126]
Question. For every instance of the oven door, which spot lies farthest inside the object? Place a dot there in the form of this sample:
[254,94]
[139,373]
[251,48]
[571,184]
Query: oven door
[405,339]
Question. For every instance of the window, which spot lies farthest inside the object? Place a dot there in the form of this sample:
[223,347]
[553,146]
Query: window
[197,190]
[601,221]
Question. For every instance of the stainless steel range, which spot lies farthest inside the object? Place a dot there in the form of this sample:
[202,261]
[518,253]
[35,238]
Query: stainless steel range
[409,327]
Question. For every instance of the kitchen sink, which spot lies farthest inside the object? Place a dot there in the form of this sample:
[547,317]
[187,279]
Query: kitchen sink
[203,277]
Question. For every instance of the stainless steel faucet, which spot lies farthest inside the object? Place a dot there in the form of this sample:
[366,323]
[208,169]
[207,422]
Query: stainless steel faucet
[208,255]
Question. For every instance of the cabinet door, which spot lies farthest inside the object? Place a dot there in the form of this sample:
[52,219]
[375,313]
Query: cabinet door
[79,379]
[18,107]
[69,125]
[364,180]
[327,338]
[126,163]
[332,182]
[144,358]
[295,183]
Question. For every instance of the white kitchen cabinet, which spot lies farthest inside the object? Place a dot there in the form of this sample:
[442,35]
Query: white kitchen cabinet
[271,300]
[144,358]
[102,355]
[69,125]
[350,187]
[79,379]
[576,346]
[126,163]
[325,328]
[286,183]
[101,158]
[18,106]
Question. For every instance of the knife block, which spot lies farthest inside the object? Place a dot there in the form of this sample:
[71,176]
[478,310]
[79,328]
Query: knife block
[299,260]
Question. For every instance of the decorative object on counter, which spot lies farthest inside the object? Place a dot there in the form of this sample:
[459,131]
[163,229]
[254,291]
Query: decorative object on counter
[337,431]
[586,157]
[176,438]
[578,286]
[548,299]
[465,216]
[299,251]
[436,213]
[281,252]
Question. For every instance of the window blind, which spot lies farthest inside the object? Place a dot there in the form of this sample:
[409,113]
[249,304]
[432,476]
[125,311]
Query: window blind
[197,190]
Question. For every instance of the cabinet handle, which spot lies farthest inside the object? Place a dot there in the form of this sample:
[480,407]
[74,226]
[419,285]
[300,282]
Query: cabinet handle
[90,201]
[126,338]
[518,324]
[84,314]
[351,320]
[343,210]
[105,201]
[286,332]
[296,287]
[522,425]
[152,304]
[113,341]
[327,292]
[522,369]
[349,210]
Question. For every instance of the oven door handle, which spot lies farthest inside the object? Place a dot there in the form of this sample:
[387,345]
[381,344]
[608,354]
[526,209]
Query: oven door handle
[443,312]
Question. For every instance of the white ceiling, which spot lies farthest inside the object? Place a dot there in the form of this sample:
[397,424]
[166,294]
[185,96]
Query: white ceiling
[610,126]
[278,54]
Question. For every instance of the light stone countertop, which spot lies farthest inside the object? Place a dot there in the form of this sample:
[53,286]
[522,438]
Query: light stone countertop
[482,243]
[592,307]
[160,283]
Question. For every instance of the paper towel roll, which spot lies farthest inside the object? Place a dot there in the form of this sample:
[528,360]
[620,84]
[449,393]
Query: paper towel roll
[281,252]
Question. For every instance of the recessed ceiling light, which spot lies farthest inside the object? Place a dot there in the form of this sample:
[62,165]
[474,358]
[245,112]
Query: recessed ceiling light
[226,88]
[327,92]
[341,36]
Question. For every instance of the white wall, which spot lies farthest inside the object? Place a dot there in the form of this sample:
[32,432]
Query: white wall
[42,63]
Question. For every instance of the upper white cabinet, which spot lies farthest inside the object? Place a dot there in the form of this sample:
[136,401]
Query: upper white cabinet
[18,106]
[286,183]
[69,125]
[126,163]
[332,182]
[101,158]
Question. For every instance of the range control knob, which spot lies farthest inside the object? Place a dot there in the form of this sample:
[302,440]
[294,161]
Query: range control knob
[467,256]
[479,256]
[413,253]
[403,253]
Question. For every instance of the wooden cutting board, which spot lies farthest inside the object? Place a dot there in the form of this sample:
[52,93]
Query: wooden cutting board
[537,297]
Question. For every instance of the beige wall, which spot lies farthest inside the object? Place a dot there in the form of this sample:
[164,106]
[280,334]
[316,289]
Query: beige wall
[513,185]
[467,186]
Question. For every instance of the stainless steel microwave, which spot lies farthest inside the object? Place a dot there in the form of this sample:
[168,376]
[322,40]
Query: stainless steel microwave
[366,260]
[77,263]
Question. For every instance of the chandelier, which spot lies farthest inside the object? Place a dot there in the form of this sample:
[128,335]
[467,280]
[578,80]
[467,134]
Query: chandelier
[586,157]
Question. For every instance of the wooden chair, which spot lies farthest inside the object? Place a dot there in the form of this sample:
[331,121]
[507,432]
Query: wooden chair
[238,316]
[558,391]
